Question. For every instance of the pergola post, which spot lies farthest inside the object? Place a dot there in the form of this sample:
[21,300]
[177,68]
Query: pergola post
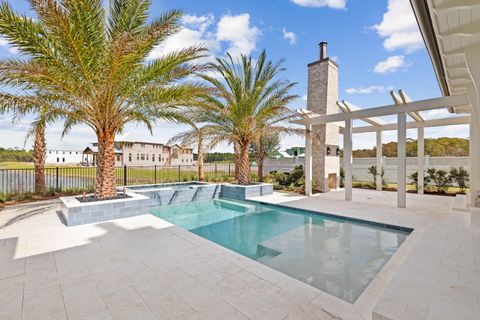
[347,158]
[421,159]
[379,161]
[401,160]
[474,162]
[308,161]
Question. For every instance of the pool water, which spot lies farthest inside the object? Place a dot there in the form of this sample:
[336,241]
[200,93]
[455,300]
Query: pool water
[335,255]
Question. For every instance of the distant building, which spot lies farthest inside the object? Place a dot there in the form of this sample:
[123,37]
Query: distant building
[136,153]
[63,156]
[293,152]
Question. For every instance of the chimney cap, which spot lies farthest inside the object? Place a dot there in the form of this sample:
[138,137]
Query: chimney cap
[323,43]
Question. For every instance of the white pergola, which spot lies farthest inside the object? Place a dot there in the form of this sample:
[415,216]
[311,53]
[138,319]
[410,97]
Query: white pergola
[401,107]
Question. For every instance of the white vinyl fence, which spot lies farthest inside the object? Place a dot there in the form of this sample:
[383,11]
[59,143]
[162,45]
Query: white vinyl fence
[361,165]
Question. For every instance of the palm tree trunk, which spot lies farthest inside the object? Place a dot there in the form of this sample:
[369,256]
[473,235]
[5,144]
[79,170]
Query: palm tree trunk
[201,170]
[244,165]
[260,159]
[236,159]
[39,159]
[105,178]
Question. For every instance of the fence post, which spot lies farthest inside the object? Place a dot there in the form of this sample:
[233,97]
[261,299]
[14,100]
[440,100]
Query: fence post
[229,170]
[216,171]
[155,172]
[179,176]
[124,175]
[56,178]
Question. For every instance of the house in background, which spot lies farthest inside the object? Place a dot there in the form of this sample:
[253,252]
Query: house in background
[293,152]
[137,153]
[63,156]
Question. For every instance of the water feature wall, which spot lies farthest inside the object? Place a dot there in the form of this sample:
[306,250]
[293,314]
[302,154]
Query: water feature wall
[181,194]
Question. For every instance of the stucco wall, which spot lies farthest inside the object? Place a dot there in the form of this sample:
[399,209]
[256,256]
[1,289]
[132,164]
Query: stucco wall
[361,165]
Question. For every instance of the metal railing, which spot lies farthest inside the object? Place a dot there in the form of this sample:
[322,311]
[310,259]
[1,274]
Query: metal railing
[15,181]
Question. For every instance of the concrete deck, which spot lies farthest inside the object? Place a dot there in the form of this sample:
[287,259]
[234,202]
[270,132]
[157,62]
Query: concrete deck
[145,268]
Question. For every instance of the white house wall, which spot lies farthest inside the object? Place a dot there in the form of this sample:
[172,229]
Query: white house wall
[62,157]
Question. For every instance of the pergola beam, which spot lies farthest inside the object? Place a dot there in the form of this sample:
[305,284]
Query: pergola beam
[414,125]
[403,98]
[349,107]
[422,105]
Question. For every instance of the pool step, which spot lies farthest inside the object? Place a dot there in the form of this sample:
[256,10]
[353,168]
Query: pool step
[235,205]
[265,254]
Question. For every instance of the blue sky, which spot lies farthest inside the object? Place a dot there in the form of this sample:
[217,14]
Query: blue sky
[376,43]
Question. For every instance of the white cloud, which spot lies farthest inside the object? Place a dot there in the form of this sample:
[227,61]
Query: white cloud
[236,30]
[365,90]
[290,36]
[198,22]
[335,4]
[3,41]
[232,31]
[399,28]
[392,64]
[5,44]
[304,97]
[193,33]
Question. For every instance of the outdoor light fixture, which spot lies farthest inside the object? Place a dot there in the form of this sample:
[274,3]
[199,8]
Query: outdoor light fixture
[328,151]
[338,151]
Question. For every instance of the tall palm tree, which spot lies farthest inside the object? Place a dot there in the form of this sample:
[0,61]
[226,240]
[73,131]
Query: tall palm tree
[248,96]
[269,141]
[89,66]
[194,136]
[264,147]
[37,131]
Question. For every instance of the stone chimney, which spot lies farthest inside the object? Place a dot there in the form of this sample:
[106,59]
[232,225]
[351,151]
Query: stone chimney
[322,96]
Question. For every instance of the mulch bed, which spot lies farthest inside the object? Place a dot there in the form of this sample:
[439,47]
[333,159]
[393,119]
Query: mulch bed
[92,198]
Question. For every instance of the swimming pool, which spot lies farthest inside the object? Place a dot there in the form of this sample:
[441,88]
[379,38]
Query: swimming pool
[333,254]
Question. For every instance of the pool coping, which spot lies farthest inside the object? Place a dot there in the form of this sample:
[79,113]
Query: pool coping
[337,216]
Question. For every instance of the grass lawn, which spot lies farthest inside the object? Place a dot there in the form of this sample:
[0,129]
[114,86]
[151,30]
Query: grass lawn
[135,175]
[409,187]
[16,165]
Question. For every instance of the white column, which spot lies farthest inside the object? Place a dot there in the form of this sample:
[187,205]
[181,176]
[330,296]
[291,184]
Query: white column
[347,158]
[402,160]
[474,162]
[421,158]
[473,64]
[308,160]
[379,160]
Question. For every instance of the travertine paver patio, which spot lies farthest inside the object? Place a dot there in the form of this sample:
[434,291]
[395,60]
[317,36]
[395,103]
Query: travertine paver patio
[145,268]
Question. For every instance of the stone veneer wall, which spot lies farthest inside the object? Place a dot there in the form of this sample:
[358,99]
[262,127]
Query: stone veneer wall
[239,192]
[77,213]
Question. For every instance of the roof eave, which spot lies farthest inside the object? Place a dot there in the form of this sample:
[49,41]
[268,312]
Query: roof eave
[424,20]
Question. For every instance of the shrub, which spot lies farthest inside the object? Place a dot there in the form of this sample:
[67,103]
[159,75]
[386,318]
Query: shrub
[5,197]
[461,177]
[342,177]
[296,175]
[373,171]
[414,179]
[441,180]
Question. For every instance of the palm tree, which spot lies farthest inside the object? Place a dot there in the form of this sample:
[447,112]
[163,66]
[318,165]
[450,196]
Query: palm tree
[247,97]
[37,130]
[265,146]
[191,137]
[89,66]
